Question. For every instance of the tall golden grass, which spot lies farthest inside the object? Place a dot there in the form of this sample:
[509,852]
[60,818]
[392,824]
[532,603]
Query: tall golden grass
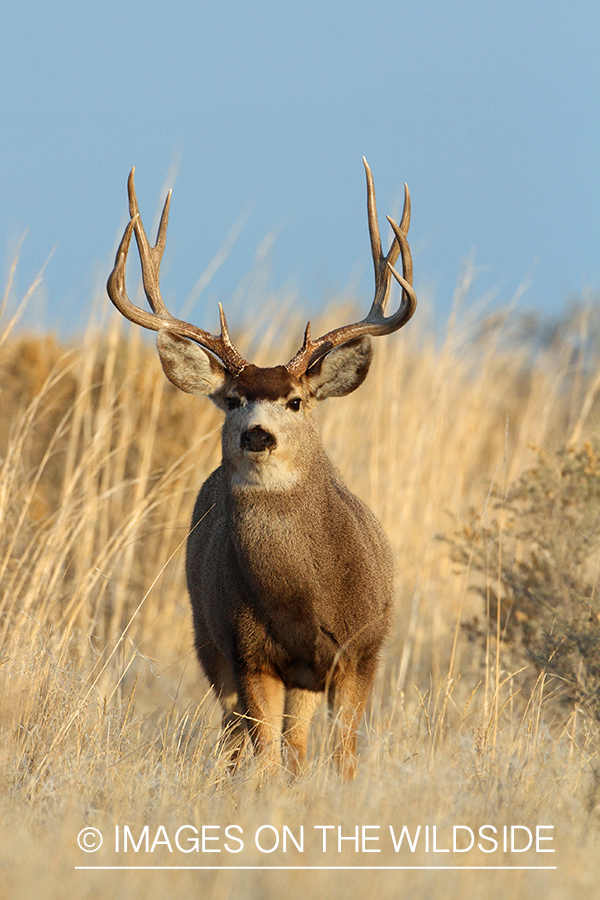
[105,720]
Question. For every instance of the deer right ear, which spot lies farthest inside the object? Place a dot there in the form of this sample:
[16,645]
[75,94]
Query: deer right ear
[341,370]
[188,366]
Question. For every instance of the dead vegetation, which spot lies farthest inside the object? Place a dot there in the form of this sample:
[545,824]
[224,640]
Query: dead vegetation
[105,719]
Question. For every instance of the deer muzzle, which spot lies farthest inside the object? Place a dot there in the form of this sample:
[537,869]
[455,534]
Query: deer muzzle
[257,440]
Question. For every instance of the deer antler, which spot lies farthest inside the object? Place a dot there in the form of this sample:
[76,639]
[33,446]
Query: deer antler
[150,258]
[376,323]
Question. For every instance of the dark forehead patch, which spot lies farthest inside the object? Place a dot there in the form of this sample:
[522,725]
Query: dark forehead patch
[256,383]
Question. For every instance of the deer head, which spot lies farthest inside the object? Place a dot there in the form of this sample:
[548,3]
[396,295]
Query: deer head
[266,408]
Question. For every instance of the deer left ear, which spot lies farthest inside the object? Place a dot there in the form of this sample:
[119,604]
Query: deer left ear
[341,370]
[188,366]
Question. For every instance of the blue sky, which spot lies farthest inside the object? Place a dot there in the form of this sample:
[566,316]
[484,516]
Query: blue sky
[260,112]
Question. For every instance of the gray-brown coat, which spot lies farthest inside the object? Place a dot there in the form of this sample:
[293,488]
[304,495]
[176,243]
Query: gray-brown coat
[289,573]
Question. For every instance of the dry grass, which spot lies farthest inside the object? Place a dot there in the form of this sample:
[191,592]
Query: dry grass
[105,720]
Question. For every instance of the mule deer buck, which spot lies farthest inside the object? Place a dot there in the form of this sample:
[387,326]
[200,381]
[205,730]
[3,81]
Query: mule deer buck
[289,574]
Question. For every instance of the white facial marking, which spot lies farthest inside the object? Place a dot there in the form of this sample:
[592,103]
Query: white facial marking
[273,468]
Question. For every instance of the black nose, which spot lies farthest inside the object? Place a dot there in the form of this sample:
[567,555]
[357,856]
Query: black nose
[256,439]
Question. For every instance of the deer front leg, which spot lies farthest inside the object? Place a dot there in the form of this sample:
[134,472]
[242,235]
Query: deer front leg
[299,709]
[262,696]
[234,734]
[347,698]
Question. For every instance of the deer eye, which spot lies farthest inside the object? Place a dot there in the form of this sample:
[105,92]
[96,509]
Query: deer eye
[232,402]
[295,403]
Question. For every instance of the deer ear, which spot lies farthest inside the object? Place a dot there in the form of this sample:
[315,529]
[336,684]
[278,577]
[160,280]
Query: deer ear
[341,370]
[188,366]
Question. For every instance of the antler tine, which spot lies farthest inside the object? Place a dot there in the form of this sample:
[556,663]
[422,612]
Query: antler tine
[407,267]
[226,340]
[384,265]
[384,269]
[372,215]
[380,261]
[160,317]
[376,322]
[151,257]
[116,285]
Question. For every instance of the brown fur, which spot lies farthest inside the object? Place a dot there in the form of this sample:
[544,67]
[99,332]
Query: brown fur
[289,574]
[291,582]
[255,383]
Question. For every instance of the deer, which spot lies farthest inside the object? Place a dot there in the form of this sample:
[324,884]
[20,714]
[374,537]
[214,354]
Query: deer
[290,575]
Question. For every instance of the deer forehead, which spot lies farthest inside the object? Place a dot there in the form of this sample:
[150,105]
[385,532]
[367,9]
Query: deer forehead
[256,384]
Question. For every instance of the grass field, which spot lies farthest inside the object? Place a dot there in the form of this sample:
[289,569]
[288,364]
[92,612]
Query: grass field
[105,721]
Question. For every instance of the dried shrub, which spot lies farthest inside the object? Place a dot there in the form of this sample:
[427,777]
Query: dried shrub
[537,565]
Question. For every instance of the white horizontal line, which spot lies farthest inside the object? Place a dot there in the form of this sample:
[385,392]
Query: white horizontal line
[319,868]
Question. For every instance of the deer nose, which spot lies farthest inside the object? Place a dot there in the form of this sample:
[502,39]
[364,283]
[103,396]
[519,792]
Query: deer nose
[256,439]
